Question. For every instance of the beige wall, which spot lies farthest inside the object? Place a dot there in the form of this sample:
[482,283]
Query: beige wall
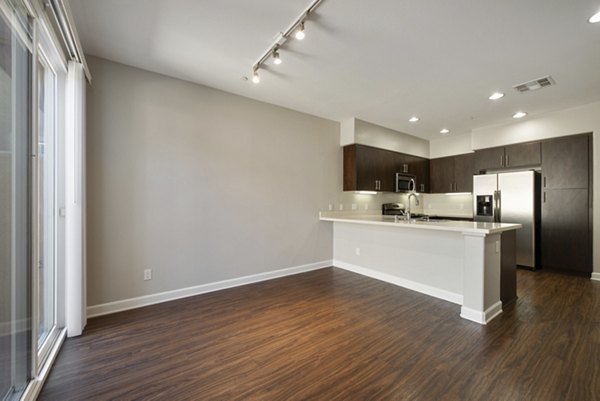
[199,185]
[385,138]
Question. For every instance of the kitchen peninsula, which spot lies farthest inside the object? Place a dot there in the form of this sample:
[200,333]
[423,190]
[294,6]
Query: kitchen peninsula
[468,263]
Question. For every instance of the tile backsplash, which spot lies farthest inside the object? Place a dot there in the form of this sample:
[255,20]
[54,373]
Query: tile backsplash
[460,205]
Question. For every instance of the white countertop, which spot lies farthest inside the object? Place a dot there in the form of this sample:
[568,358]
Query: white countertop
[474,227]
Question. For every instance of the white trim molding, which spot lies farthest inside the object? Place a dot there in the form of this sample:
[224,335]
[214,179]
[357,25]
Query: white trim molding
[138,302]
[75,318]
[35,385]
[401,282]
[481,317]
[596,276]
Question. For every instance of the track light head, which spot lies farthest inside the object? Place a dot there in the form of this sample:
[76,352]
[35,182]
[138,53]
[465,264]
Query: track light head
[276,58]
[255,76]
[300,32]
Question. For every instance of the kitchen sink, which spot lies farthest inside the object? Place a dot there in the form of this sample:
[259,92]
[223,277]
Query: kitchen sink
[430,219]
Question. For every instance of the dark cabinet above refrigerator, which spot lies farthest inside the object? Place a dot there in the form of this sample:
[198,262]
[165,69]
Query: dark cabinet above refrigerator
[508,157]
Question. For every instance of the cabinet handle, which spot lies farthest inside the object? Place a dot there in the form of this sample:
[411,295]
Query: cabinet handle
[544,181]
[422,187]
[501,160]
[451,186]
[405,167]
[507,161]
[544,197]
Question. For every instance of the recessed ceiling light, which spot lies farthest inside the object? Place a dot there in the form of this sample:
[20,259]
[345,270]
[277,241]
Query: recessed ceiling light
[413,119]
[519,114]
[445,131]
[594,18]
[496,96]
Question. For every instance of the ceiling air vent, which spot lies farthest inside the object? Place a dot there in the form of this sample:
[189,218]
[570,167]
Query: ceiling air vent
[535,84]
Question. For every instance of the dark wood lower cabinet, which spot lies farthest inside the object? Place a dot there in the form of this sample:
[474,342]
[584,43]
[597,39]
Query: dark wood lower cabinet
[508,267]
[565,234]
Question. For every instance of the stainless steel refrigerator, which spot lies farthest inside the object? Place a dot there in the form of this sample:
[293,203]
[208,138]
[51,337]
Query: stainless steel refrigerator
[511,198]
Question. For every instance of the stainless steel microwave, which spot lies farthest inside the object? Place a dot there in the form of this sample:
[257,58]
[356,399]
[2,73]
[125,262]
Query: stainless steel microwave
[405,182]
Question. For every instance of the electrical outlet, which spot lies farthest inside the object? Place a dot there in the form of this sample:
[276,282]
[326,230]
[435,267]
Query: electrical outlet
[366,206]
[357,251]
[354,206]
[341,206]
[330,207]
[147,274]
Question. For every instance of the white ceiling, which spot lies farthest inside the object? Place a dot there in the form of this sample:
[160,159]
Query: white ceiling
[380,61]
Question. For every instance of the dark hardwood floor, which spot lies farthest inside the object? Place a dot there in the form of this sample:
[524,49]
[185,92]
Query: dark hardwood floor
[335,335]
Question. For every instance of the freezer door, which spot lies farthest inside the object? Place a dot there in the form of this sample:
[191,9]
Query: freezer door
[518,206]
[484,188]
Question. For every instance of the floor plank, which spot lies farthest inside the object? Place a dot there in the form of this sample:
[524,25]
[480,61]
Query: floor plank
[335,335]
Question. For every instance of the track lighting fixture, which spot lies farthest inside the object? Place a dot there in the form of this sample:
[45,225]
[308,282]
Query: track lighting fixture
[300,32]
[276,58]
[296,28]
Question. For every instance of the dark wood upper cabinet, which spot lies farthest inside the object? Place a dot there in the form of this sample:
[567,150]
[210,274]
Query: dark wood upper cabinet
[372,169]
[523,154]
[452,173]
[489,159]
[386,170]
[421,170]
[464,167]
[441,174]
[566,162]
[511,156]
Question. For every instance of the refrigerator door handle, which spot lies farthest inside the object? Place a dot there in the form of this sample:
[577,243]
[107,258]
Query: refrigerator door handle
[498,206]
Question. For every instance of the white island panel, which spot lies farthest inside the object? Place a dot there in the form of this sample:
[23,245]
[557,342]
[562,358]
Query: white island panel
[457,261]
[430,262]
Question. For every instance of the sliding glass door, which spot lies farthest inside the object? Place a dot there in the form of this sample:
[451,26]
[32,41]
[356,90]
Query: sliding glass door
[31,77]
[45,189]
[15,200]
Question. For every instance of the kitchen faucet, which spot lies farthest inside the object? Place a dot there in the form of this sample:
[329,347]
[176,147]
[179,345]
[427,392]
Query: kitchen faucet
[407,214]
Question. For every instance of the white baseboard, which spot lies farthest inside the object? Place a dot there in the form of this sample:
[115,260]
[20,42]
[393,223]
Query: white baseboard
[411,285]
[596,276]
[138,302]
[481,317]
